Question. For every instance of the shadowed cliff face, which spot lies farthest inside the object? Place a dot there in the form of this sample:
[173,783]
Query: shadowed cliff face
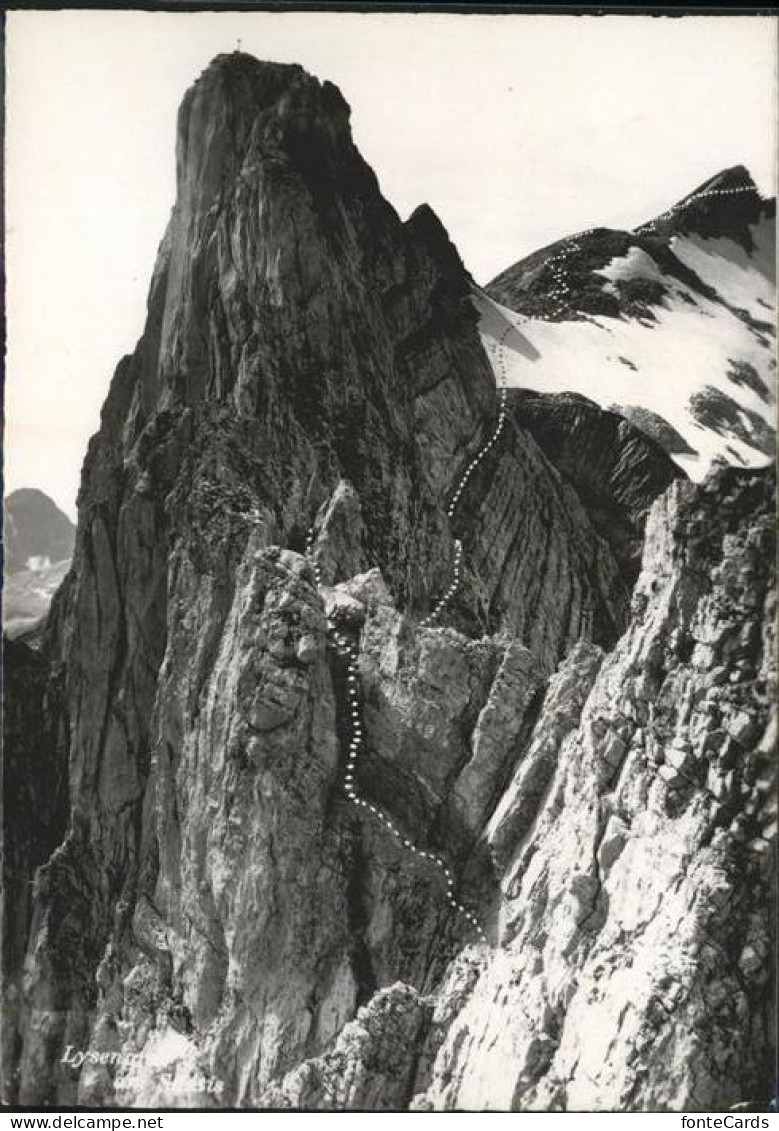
[217,911]
[616,470]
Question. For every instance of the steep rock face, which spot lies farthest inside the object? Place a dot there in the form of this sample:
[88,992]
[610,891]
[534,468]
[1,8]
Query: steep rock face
[303,348]
[268,911]
[36,804]
[219,925]
[635,921]
[615,468]
[635,955]
[373,1064]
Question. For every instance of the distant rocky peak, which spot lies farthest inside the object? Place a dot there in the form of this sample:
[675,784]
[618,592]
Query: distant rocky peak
[736,177]
[673,321]
[36,531]
[727,204]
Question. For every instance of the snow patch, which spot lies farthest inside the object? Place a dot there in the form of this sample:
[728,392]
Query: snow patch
[687,349]
[637,264]
[743,279]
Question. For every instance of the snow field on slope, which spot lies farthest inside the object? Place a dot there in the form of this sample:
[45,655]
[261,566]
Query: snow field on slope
[743,279]
[689,347]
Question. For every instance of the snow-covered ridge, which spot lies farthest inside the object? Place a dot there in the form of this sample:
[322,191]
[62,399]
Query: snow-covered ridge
[675,329]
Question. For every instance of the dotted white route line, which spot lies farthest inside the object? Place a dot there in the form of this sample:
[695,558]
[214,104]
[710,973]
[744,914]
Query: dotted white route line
[450,592]
[499,349]
[349,651]
[310,554]
[346,649]
[560,290]
[690,199]
[356,741]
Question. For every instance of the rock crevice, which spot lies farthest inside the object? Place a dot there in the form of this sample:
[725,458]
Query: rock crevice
[582,741]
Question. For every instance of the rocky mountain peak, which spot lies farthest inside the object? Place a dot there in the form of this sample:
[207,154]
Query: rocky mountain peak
[726,205]
[425,227]
[386,758]
[242,113]
[34,528]
[735,177]
[598,311]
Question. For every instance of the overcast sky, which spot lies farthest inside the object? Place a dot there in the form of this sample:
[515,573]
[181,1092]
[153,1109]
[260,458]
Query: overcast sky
[516,129]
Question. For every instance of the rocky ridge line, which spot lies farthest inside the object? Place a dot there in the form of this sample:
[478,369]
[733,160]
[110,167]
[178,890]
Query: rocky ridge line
[215,908]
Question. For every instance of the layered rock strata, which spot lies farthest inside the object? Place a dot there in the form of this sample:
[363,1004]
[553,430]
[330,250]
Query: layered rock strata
[216,925]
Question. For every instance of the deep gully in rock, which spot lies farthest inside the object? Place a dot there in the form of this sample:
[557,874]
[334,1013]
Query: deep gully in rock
[560,292]
[348,650]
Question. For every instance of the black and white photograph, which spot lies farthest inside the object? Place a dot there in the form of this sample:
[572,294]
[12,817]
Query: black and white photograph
[389,600]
